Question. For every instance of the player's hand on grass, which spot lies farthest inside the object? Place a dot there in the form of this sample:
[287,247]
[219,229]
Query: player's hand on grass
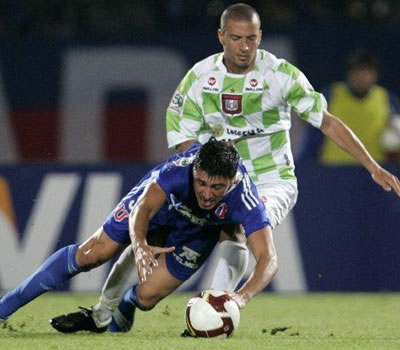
[238,299]
[146,259]
[386,180]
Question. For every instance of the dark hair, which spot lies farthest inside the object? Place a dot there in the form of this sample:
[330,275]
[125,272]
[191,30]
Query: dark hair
[239,12]
[362,58]
[217,158]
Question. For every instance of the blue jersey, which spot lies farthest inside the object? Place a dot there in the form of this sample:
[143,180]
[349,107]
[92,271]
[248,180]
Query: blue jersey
[193,231]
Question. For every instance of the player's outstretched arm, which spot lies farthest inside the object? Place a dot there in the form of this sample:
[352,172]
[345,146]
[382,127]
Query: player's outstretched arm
[147,206]
[262,246]
[344,137]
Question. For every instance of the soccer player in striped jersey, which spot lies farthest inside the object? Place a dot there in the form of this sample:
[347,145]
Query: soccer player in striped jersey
[245,95]
[190,196]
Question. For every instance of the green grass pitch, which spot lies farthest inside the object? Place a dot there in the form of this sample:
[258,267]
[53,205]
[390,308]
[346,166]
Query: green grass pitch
[270,321]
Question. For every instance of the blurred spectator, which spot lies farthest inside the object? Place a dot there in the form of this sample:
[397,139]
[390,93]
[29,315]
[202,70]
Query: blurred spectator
[380,12]
[68,18]
[367,108]
[278,12]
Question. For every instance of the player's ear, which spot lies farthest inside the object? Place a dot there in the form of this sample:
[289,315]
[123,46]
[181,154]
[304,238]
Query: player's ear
[221,36]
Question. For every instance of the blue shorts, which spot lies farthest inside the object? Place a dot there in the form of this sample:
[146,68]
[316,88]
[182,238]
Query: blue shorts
[193,243]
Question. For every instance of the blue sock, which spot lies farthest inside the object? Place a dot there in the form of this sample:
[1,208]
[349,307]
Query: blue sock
[58,268]
[124,316]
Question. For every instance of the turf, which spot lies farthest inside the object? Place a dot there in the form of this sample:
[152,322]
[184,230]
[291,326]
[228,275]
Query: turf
[270,321]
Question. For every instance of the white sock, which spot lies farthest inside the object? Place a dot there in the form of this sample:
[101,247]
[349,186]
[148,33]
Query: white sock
[121,277]
[231,265]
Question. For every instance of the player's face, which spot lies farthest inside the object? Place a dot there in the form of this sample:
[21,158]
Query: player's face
[209,190]
[240,40]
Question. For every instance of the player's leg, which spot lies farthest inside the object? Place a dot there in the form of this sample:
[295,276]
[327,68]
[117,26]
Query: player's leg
[144,297]
[233,259]
[192,248]
[279,199]
[122,277]
[58,268]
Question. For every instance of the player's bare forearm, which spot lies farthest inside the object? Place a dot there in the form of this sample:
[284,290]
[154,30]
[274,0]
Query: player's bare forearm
[342,135]
[147,206]
[262,246]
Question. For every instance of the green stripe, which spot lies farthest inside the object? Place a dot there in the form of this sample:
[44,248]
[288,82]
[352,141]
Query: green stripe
[204,128]
[187,82]
[317,102]
[270,117]
[252,103]
[211,103]
[287,173]
[233,85]
[173,122]
[254,178]
[238,122]
[216,57]
[295,94]
[191,111]
[317,107]
[278,139]
[264,163]
[289,69]
[243,148]
[304,115]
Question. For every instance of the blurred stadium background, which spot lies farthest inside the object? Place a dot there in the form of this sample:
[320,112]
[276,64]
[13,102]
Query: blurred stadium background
[84,85]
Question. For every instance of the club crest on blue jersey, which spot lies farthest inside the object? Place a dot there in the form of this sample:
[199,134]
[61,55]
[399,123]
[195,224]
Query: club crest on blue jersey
[183,161]
[221,211]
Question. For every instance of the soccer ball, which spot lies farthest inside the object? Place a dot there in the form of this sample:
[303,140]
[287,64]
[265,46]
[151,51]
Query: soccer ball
[211,314]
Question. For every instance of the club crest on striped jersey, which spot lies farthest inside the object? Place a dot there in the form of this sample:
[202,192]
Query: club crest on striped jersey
[221,210]
[232,104]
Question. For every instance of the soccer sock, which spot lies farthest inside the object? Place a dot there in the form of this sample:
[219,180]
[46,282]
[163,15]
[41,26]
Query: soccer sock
[231,265]
[131,298]
[123,316]
[121,277]
[58,268]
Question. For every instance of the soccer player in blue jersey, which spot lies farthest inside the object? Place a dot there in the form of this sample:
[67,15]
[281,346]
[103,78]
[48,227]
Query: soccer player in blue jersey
[191,195]
[243,95]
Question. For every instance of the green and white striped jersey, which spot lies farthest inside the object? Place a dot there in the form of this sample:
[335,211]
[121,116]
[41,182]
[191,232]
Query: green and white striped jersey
[253,110]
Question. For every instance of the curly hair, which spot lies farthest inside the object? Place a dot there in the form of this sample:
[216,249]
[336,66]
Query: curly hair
[217,158]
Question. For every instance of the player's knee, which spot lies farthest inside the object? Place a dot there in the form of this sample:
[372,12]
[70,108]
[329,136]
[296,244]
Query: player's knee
[146,299]
[88,259]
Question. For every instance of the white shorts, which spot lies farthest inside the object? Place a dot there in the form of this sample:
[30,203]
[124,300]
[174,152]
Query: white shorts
[279,198]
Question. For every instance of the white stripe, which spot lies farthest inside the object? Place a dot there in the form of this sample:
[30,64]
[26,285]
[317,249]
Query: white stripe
[248,194]
[251,192]
[245,202]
